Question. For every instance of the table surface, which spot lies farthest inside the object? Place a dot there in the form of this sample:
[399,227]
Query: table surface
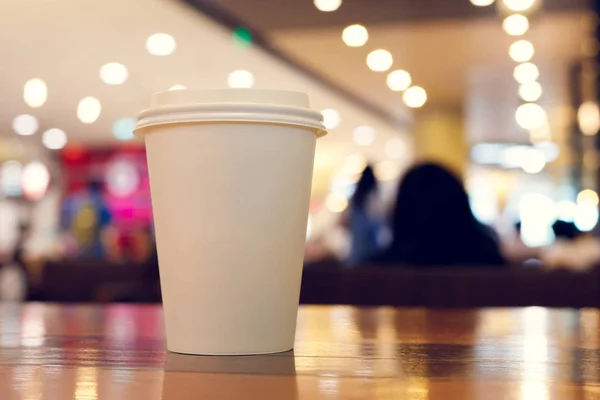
[118,352]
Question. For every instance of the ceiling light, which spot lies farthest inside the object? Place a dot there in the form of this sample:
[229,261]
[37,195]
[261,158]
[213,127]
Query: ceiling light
[519,5]
[240,79]
[54,139]
[398,80]
[355,35]
[521,51]
[395,148]
[113,73]
[364,135]
[123,128]
[530,116]
[526,72]
[35,92]
[25,124]
[414,97]
[379,60]
[327,5]
[515,25]
[331,118]
[160,44]
[34,180]
[530,91]
[588,118]
[177,87]
[482,3]
[89,110]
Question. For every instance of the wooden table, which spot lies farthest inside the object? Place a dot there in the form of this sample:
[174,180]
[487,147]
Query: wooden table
[117,352]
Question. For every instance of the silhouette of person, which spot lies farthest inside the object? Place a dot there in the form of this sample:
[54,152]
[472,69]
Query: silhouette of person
[433,225]
[364,220]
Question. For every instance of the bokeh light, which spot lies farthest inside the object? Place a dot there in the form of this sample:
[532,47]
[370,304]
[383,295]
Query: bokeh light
[398,80]
[482,3]
[395,148]
[414,97]
[89,110]
[25,124]
[240,79]
[123,128]
[534,161]
[588,196]
[354,164]
[35,92]
[34,180]
[331,118]
[515,25]
[530,116]
[379,60]
[113,73]
[588,118]
[54,139]
[122,178]
[565,210]
[355,35]
[526,72]
[336,202]
[519,5]
[177,87]
[10,178]
[586,217]
[387,170]
[242,37]
[521,51]
[364,135]
[549,148]
[327,5]
[161,44]
[540,133]
[530,91]
[537,213]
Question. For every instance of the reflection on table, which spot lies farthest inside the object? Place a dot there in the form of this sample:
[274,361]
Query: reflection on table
[117,352]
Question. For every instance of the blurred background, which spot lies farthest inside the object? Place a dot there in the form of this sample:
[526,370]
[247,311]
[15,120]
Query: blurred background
[493,100]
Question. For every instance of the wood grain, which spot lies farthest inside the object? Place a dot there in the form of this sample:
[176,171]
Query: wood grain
[117,352]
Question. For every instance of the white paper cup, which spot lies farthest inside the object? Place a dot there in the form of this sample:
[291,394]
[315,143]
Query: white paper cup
[230,176]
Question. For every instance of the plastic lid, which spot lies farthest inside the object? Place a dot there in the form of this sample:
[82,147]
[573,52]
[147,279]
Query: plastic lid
[238,105]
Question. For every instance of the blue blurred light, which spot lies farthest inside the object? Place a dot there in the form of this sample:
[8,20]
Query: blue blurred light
[123,128]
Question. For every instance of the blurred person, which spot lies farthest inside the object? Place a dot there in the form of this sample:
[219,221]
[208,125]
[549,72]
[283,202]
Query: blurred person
[86,215]
[364,220]
[433,225]
[13,275]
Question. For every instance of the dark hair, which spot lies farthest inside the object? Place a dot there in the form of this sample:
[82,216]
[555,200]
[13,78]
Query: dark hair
[433,223]
[365,186]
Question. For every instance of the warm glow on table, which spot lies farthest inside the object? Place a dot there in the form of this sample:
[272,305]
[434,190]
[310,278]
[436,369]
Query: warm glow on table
[117,352]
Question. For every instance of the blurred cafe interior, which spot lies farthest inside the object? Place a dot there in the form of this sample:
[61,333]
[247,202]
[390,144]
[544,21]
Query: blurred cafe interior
[433,99]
